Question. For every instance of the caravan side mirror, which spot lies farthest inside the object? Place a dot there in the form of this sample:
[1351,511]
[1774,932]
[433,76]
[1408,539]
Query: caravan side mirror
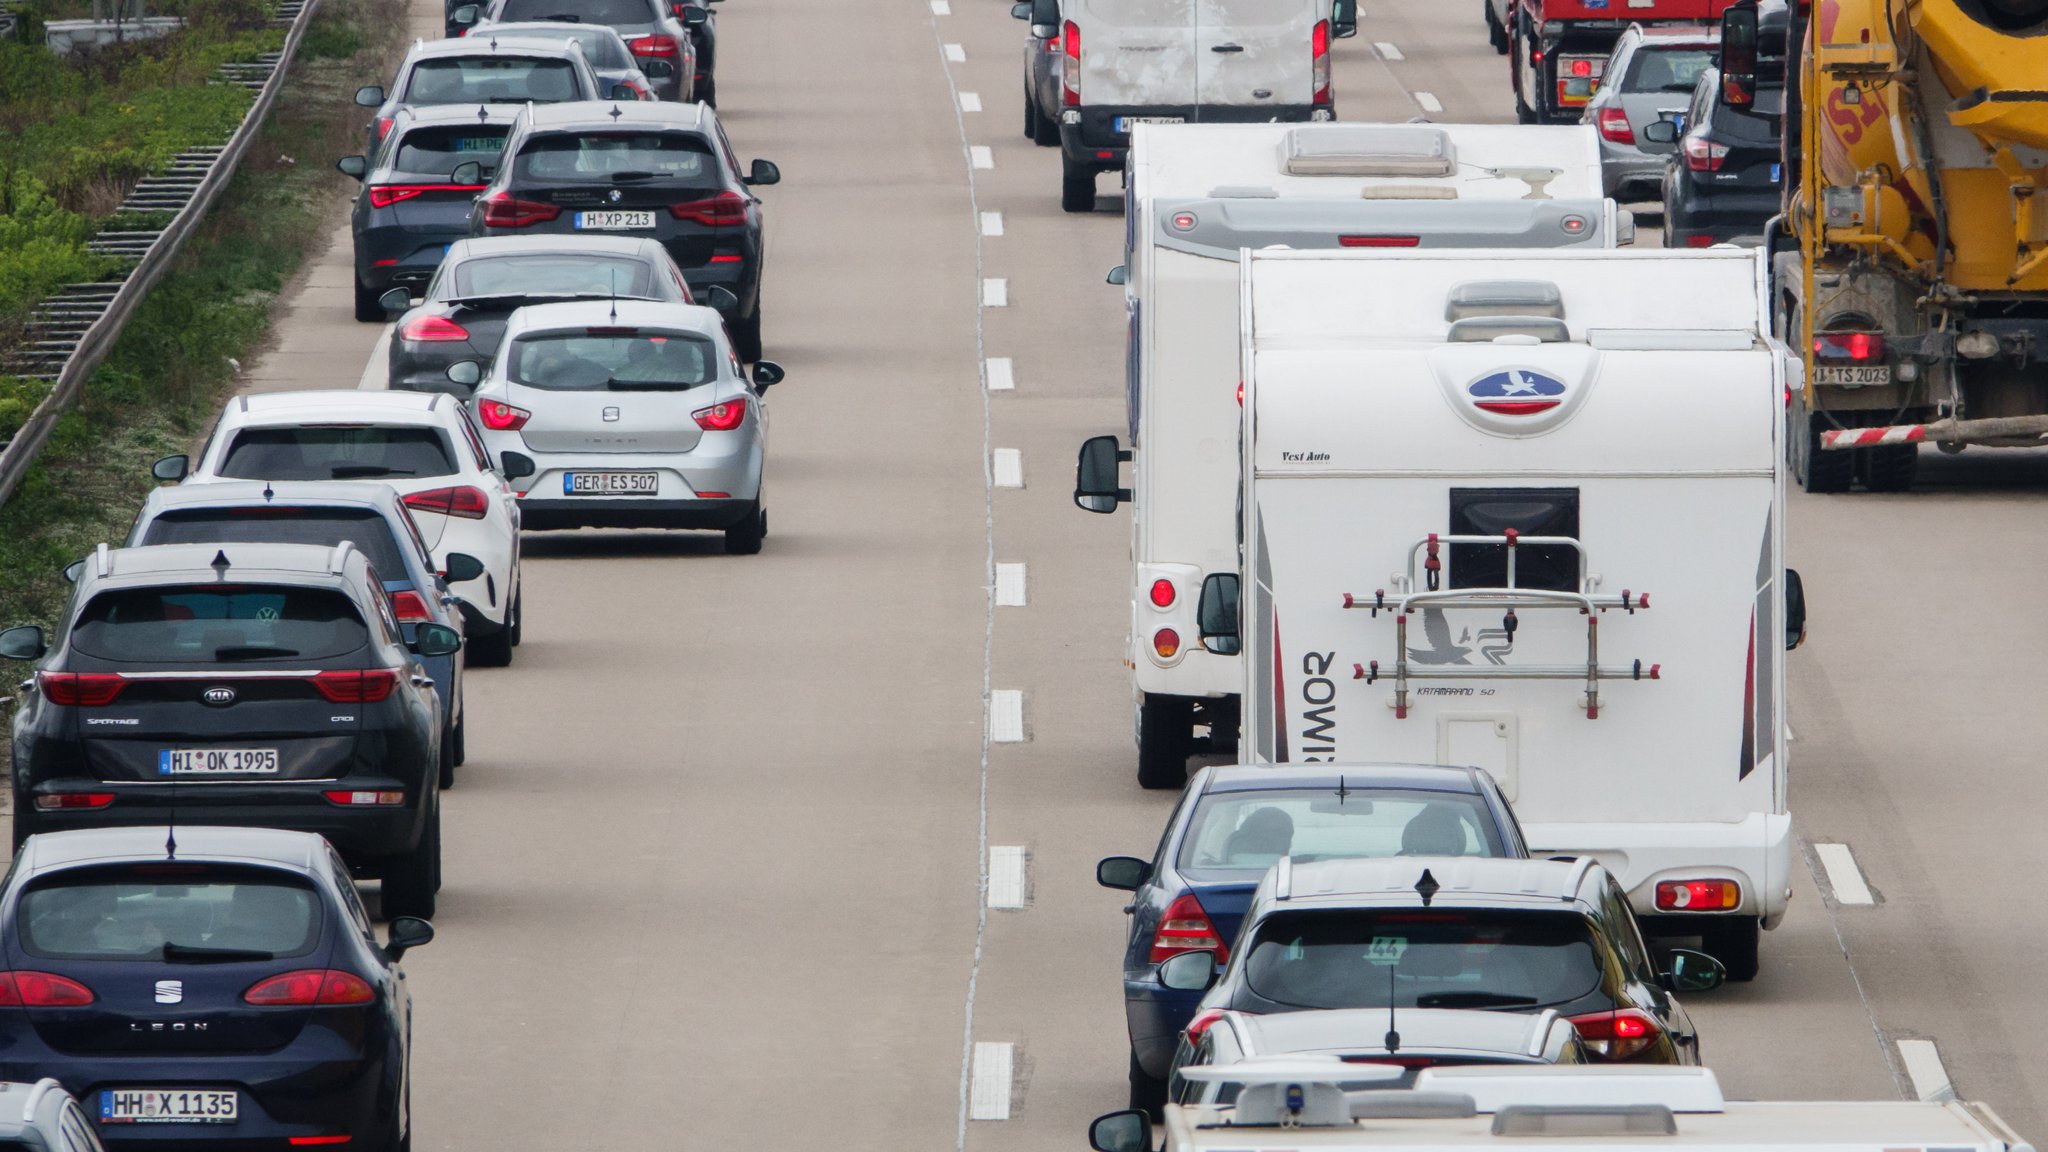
[1795,609]
[1738,54]
[1126,1131]
[1216,614]
[1096,475]
[1344,19]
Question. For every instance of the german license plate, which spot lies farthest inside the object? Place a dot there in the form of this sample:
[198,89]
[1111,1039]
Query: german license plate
[169,1106]
[610,483]
[1862,376]
[215,761]
[1123,123]
[480,144]
[614,221]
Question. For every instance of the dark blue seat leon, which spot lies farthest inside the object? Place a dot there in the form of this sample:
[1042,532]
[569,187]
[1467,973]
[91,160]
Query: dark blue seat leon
[205,987]
[1232,823]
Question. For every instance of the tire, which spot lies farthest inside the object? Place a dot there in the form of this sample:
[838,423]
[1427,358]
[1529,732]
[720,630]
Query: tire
[367,309]
[412,880]
[1077,187]
[462,740]
[708,94]
[20,828]
[1030,113]
[1735,945]
[491,650]
[1048,135]
[1165,730]
[1890,468]
[744,538]
[1148,1092]
[746,336]
[518,627]
[445,772]
[1496,32]
[1816,470]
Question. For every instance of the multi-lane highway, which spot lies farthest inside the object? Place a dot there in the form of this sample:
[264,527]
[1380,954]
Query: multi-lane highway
[718,869]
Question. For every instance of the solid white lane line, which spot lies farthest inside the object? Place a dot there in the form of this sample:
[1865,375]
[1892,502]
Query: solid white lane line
[1429,102]
[1006,716]
[991,223]
[981,155]
[970,102]
[1006,876]
[1007,466]
[1002,377]
[1009,585]
[990,1098]
[956,53]
[995,292]
[1843,874]
[1923,1066]
[1387,51]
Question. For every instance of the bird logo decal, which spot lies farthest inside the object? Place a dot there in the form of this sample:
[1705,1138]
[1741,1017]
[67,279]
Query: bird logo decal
[1516,392]
[1494,643]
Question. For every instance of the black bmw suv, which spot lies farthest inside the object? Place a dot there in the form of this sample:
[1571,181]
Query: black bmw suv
[264,685]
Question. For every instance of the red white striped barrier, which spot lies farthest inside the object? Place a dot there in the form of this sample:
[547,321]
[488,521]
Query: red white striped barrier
[1872,437]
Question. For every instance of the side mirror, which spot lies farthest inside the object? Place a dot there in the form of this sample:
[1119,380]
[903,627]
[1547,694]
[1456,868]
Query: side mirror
[1123,873]
[1660,132]
[1738,54]
[467,172]
[1096,475]
[465,15]
[1021,10]
[624,92]
[720,297]
[1189,971]
[405,934]
[370,95]
[467,373]
[695,17]
[1692,972]
[23,643]
[762,173]
[73,571]
[1118,275]
[657,69]
[516,465]
[395,301]
[1795,609]
[766,372]
[1126,1131]
[172,468]
[352,166]
[436,640]
[463,567]
[1344,19]
[1216,614]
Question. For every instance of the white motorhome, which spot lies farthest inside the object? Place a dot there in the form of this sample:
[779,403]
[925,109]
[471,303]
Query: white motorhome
[1298,1104]
[1525,511]
[1198,195]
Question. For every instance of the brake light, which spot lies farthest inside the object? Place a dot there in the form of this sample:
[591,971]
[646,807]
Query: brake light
[1582,67]
[309,986]
[1379,241]
[656,45]
[721,417]
[352,686]
[383,126]
[1186,928]
[1614,126]
[1202,1022]
[1859,347]
[1319,62]
[309,1141]
[499,416]
[385,195]
[59,801]
[409,606]
[1162,593]
[1698,895]
[1617,1035]
[728,209]
[433,330]
[461,500]
[1703,155]
[1166,642]
[42,990]
[365,799]
[81,689]
[1070,68]
[1699,241]
[503,210]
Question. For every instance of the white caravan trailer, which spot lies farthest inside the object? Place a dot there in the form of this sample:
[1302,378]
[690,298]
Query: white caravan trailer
[1298,1104]
[1525,511]
[1199,194]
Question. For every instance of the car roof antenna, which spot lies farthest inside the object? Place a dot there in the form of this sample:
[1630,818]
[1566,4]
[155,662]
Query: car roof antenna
[1393,1038]
[220,564]
[1427,887]
[615,293]
[269,493]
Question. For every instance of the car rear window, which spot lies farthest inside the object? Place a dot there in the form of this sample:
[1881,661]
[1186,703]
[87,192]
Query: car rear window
[563,273]
[491,80]
[357,452]
[573,362]
[1760,123]
[169,912]
[579,11]
[1673,70]
[1243,833]
[363,527]
[601,46]
[438,150]
[224,623]
[619,158]
[1427,958]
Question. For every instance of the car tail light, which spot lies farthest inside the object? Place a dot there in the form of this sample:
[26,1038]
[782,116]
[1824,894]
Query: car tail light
[81,689]
[1202,1022]
[1698,895]
[1379,241]
[433,330]
[1703,155]
[1319,62]
[728,209]
[462,500]
[1162,593]
[366,799]
[1614,126]
[385,195]
[1166,642]
[721,417]
[659,44]
[1856,347]
[1186,928]
[383,127]
[408,606]
[310,1141]
[309,986]
[60,801]
[1617,1034]
[350,686]
[499,416]
[1070,68]
[504,210]
[1699,241]
[726,258]
[1582,67]
[42,990]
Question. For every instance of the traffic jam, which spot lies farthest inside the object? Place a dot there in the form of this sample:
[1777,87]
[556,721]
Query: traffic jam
[1465,703]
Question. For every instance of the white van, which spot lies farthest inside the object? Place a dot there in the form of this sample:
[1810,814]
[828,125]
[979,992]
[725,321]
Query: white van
[1128,62]
[1199,194]
[1525,512]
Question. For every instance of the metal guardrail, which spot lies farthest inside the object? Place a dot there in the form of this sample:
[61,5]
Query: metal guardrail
[81,323]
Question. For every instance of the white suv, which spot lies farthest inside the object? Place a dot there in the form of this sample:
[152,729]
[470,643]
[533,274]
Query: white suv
[423,445]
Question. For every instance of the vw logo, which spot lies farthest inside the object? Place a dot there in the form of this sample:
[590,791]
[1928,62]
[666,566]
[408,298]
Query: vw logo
[1516,392]
[218,697]
[615,195]
[170,991]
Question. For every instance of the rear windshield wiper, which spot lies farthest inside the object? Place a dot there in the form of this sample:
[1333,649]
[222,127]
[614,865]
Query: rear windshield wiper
[352,471]
[564,18]
[1472,1000]
[649,385]
[176,953]
[629,176]
[232,652]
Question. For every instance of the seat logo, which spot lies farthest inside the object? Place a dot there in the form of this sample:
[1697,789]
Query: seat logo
[219,696]
[1516,392]
[170,991]
[611,414]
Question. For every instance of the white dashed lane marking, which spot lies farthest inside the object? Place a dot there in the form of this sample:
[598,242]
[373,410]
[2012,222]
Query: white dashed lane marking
[1429,102]
[995,292]
[956,53]
[1843,874]
[941,8]
[991,223]
[1387,51]
[1009,585]
[970,102]
[1924,1068]
[989,1098]
[1005,876]
[981,156]
[1008,466]
[1002,376]
[1005,716]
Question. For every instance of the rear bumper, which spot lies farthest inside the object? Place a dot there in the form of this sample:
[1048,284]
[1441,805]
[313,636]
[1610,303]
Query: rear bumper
[544,515]
[1725,214]
[1627,172]
[1096,141]
[392,256]
[1756,852]
[361,835]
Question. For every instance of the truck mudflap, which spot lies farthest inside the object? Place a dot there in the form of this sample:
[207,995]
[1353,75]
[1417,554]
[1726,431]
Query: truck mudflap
[1997,429]
[1755,852]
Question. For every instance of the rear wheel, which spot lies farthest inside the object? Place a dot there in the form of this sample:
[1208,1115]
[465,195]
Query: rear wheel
[1030,113]
[1165,731]
[1816,469]
[368,310]
[744,538]
[1735,945]
[1048,129]
[1890,468]
[411,880]
[462,740]
[1496,32]
[707,92]
[445,774]
[518,616]
[1077,187]
[1148,1092]
[493,650]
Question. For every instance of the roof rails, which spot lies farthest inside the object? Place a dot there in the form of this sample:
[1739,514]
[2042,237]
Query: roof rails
[1576,877]
[1368,150]
[337,560]
[103,560]
[1283,878]
[1539,1031]
[35,1097]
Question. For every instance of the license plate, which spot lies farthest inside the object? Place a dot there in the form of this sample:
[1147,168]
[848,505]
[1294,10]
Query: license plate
[1858,377]
[610,483]
[480,144]
[614,221]
[169,1106]
[215,761]
[1123,123]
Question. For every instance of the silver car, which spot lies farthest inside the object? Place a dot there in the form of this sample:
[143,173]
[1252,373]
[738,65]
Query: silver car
[626,414]
[1649,77]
